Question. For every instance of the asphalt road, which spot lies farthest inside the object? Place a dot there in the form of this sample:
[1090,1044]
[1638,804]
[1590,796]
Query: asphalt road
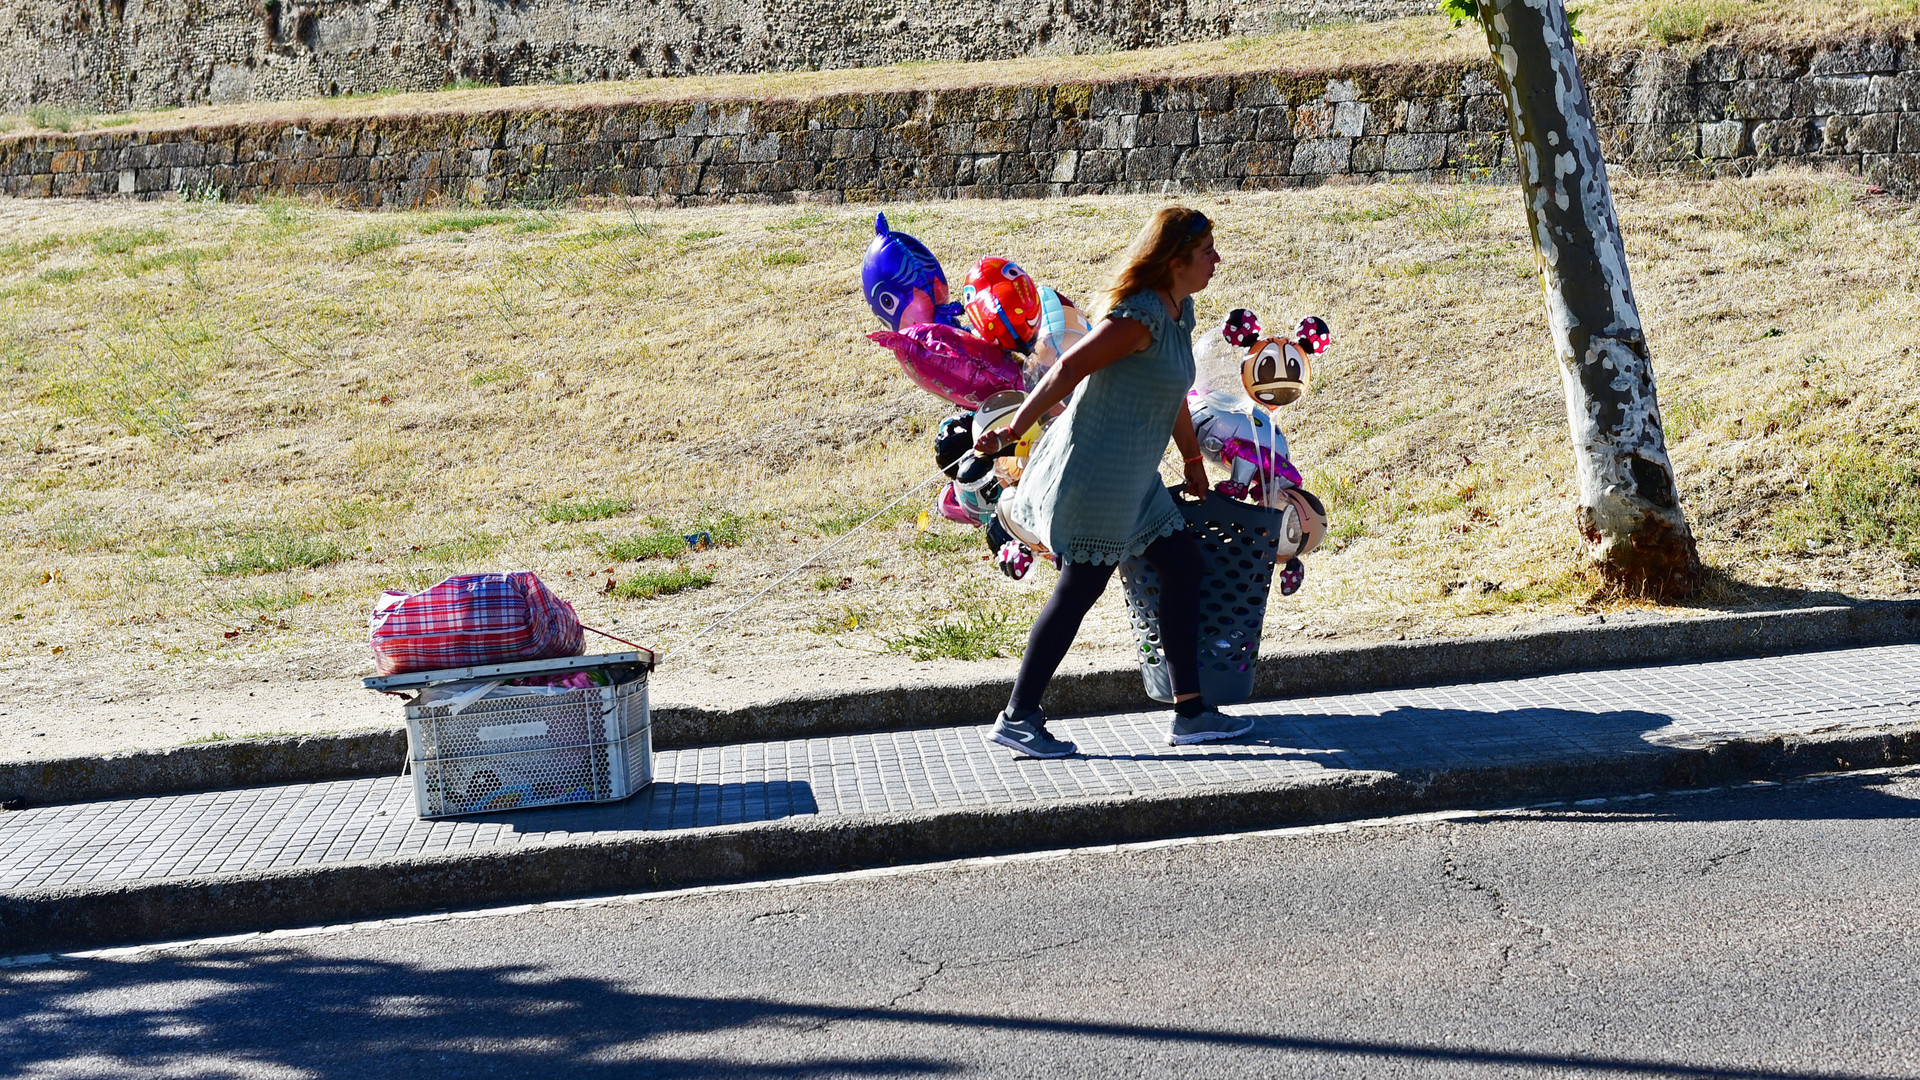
[1762,932]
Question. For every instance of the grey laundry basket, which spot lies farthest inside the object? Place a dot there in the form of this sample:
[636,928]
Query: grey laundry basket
[1239,544]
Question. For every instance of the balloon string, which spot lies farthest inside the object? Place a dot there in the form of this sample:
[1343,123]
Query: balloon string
[715,624]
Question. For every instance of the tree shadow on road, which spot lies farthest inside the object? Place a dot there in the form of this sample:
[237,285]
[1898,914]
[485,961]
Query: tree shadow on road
[283,1012]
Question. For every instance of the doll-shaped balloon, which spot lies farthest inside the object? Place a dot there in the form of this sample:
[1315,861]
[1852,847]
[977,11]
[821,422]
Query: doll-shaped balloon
[903,282]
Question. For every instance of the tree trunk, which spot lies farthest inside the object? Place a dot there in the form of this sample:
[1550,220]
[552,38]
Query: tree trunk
[1630,516]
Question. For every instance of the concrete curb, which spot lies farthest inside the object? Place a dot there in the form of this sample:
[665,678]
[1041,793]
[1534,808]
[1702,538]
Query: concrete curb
[57,919]
[1288,673]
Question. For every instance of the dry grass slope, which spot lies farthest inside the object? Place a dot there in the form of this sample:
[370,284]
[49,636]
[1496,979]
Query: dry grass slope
[227,428]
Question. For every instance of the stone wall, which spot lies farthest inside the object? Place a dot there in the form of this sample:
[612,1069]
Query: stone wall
[115,55]
[1849,105]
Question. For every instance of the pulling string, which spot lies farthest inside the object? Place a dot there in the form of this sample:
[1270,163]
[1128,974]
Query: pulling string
[802,566]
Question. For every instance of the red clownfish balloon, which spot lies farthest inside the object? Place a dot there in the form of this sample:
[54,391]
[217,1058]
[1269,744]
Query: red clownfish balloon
[1003,303]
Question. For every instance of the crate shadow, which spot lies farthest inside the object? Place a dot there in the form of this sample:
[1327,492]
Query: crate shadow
[664,805]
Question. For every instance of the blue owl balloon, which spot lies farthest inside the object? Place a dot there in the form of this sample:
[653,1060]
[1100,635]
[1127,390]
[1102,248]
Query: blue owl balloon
[902,279]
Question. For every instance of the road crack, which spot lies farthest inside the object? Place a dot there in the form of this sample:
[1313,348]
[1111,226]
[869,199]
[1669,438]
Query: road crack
[1527,939]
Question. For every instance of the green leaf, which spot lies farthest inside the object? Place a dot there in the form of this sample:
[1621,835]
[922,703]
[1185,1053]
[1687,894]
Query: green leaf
[1573,23]
[1460,11]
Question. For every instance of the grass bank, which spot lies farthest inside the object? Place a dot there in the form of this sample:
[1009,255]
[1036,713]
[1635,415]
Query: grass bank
[228,428]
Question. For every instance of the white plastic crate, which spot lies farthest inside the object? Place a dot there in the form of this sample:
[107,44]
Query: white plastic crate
[478,745]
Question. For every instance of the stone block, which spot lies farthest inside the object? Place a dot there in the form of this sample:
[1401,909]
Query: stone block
[1762,99]
[1257,91]
[1856,58]
[1877,133]
[1314,120]
[1149,163]
[1276,124]
[1486,112]
[1910,134]
[1208,162]
[1114,98]
[1421,116]
[1772,65]
[753,150]
[1895,93]
[1179,128]
[1898,173]
[1098,167]
[65,162]
[1839,94]
[1726,139]
[1350,119]
[1713,102]
[999,137]
[1409,152]
[1321,157]
[1064,167]
[1369,155]
[1788,138]
[1227,127]
[1716,64]
[1476,151]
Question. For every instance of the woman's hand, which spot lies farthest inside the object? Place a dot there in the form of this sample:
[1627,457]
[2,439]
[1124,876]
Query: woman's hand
[994,440]
[1198,483]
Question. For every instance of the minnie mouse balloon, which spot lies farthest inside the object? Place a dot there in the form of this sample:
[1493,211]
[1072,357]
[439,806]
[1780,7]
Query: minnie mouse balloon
[1275,372]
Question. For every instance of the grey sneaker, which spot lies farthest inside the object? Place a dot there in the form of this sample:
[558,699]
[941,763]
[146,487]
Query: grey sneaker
[1207,727]
[1027,734]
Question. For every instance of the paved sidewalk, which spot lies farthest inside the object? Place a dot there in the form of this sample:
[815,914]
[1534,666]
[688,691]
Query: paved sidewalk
[1626,714]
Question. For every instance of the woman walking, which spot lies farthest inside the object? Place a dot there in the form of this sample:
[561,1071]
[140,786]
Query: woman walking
[1092,492]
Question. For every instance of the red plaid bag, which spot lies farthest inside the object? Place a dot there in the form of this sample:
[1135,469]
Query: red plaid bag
[473,619]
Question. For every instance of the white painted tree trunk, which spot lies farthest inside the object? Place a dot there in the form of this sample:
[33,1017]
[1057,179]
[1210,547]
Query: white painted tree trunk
[1630,516]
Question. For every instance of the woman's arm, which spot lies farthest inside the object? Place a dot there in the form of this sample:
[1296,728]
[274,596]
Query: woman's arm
[1111,340]
[1195,466]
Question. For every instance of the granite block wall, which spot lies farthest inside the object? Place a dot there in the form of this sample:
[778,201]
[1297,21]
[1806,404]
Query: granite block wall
[1854,106]
[112,55]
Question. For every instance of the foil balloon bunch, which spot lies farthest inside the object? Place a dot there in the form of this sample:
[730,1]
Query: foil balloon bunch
[982,352]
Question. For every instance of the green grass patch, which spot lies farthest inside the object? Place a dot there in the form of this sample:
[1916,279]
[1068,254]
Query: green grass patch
[464,222]
[462,548]
[721,529]
[660,545]
[977,635]
[122,241]
[784,258]
[1858,497]
[698,235]
[661,583]
[368,241]
[187,257]
[65,275]
[277,552]
[55,117]
[1693,20]
[585,510]
[800,221]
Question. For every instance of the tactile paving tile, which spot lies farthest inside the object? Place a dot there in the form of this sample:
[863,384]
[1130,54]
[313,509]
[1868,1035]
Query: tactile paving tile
[1642,710]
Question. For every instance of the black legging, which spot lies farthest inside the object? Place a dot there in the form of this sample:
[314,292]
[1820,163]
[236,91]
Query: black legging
[1177,559]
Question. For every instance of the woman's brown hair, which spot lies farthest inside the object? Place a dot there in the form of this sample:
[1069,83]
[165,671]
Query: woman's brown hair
[1173,233]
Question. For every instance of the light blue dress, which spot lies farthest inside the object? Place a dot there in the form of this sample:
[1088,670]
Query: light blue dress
[1092,491]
